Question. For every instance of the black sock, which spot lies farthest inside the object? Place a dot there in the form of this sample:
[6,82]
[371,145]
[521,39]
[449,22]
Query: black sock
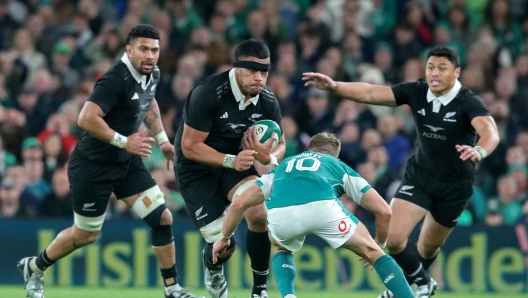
[409,261]
[259,248]
[43,261]
[208,256]
[427,262]
[170,276]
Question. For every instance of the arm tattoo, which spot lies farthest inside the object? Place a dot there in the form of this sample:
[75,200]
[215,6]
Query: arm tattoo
[152,119]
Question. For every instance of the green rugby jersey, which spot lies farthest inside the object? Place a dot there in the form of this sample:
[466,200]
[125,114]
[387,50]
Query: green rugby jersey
[309,177]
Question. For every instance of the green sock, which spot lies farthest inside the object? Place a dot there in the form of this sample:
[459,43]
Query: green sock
[392,276]
[284,272]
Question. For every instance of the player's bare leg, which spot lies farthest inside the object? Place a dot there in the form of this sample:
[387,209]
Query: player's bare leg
[160,220]
[257,242]
[33,268]
[362,244]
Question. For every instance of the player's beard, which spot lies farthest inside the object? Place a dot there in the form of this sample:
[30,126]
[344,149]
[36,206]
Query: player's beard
[144,71]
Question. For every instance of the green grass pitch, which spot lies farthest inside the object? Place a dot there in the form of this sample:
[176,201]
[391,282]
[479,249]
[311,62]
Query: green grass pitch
[88,292]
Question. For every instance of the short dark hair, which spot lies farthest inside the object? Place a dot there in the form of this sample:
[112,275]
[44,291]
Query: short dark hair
[446,52]
[252,48]
[326,143]
[143,30]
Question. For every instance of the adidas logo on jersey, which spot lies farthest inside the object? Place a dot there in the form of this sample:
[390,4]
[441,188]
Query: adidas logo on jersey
[224,116]
[422,112]
[136,96]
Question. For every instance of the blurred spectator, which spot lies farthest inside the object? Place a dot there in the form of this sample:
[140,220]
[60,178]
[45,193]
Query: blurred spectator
[412,70]
[60,64]
[19,176]
[8,25]
[58,203]
[37,29]
[351,152]
[61,125]
[12,123]
[335,56]
[506,30]
[290,130]
[385,176]
[31,149]
[371,138]
[416,19]
[406,44]
[257,28]
[96,12]
[310,49]
[459,25]
[317,107]
[353,55]
[398,146]
[519,102]
[7,159]
[5,97]
[493,214]
[509,205]
[107,44]
[25,49]
[10,205]
[55,156]
[14,70]
[383,60]
[278,84]
[35,117]
[36,183]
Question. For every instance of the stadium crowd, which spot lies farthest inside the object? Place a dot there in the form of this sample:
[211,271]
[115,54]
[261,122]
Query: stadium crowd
[52,52]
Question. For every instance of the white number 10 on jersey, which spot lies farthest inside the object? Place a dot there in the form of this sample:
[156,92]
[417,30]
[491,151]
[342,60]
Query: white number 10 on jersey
[299,164]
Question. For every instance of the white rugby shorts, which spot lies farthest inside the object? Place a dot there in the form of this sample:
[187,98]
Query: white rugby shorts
[327,219]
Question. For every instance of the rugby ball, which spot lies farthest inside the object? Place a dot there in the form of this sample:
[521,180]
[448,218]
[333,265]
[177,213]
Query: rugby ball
[264,130]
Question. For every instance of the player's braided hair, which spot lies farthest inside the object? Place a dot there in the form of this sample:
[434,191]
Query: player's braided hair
[446,52]
[252,48]
[143,30]
[326,143]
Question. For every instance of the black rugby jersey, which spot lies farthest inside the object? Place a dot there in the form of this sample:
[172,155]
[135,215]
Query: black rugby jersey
[212,107]
[125,96]
[438,133]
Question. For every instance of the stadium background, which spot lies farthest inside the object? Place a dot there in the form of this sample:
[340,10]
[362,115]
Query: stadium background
[52,52]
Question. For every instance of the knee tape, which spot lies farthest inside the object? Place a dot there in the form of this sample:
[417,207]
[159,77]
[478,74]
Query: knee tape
[148,201]
[91,224]
[241,189]
[150,206]
[213,230]
[160,235]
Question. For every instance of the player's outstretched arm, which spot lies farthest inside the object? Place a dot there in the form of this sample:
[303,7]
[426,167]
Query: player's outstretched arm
[374,203]
[489,139]
[249,198]
[358,92]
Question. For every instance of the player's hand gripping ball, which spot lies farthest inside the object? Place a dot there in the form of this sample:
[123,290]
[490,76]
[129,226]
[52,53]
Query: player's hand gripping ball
[265,128]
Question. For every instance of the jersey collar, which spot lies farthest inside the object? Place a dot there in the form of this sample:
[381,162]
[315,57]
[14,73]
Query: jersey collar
[446,98]
[238,94]
[140,78]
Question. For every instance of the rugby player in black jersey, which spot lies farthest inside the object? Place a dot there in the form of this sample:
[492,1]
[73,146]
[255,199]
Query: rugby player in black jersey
[107,159]
[455,131]
[212,168]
